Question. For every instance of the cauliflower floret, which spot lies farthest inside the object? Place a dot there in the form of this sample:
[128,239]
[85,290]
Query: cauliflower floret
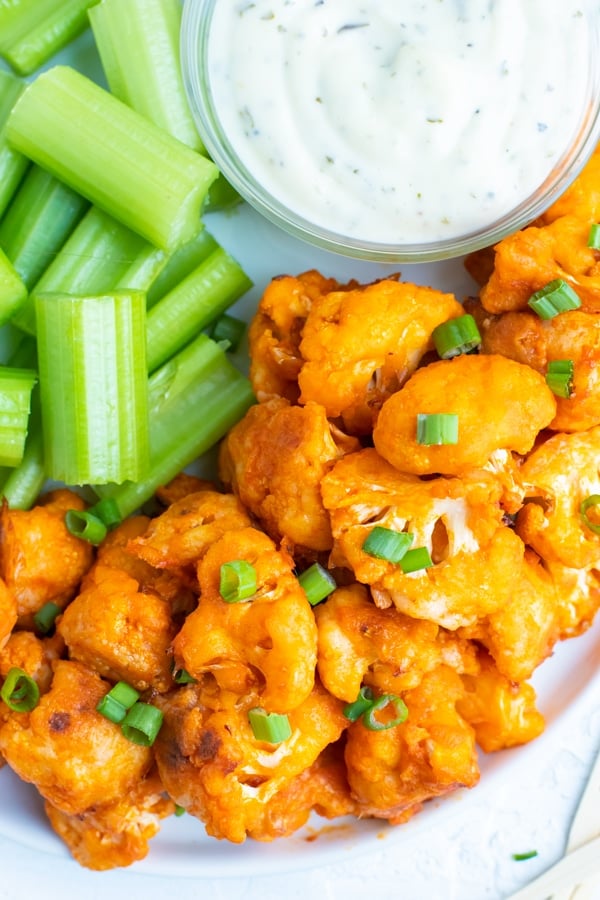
[268,642]
[40,560]
[560,474]
[578,597]
[359,346]
[574,336]
[360,643]
[274,460]
[8,613]
[460,523]
[76,758]
[211,764]
[500,404]
[394,771]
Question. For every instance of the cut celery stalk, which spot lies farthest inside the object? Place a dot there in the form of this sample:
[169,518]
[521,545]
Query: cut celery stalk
[13,165]
[32,31]
[13,291]
[149,79]
[16,386]
[122,162]
[221,195]
[93,386]
[194,399]
[39,219]
[176,319]
[100,256]
[180,264]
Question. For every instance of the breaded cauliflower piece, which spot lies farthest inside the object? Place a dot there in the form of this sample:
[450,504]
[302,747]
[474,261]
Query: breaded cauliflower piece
[500,404]
[274,459]
[40,560]
[362,644]
[115,834]
[578,593]
[359,346]
[275,332]
[559,474]
[502,712]
[76,758]
[211,764]
[393,772]
[266,643]
[474,553]
[574,336]
[8,613]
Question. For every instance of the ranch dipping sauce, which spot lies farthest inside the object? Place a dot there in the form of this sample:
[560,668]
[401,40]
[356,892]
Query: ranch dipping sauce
[400,121]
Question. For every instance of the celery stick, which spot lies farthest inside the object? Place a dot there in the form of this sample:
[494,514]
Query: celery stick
[39,219]
[32,31]
[23,483]
[93,386]
[180,264]
[100,256]
[222,195]
[210,289]
[120,161]
[149,79]
[16,386]
[13,165]
[194,399]
[13,291]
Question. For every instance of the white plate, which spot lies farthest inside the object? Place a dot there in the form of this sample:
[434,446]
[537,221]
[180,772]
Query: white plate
[564,682]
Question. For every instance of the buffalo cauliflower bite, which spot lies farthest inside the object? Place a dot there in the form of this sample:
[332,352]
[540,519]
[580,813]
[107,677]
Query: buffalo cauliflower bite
[500,405]
[460,523]
[40,560]
[360,643]
[8,613]
[76,758]
[578,593]
[359,346]
[394,771]
[116,834]
[535,342]
[274,460]
[267,643]
[559,475]
[211,764]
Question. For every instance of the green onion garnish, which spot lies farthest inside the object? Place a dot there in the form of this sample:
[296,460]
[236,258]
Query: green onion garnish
[179,810]
[114,705]
[107,510]
[415,560]
[456,336]
[594,237]
[363,702]
[19,691]
[384,543]
[237,581]
[559,377]
[374,724]
[317,583]
[85,525]
[437,428]
[229,329]
[182,676]
[556,297]
[519,857]
[589,503]
[142,724]
[45,617]
[270,727]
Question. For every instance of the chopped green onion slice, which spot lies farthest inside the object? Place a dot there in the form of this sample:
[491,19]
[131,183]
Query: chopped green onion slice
[270,727]
[179,810]
[85,525]
[456,336]
[415,560]
[182,676]
[559,377]
[142,724]
[519,857]
[19,691]
[374,724]
[556,297]
[107,510]
[437,428]
[594,237]
[363,702]
[228,328]
[590,502]
[317,583]
[117,701]
[237,581]
[45,617]
[384,543]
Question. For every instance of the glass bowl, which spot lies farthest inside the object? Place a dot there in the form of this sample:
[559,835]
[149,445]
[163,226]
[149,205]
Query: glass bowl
[200,50]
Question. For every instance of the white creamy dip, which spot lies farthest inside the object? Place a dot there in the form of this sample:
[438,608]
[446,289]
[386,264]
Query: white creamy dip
[400,120]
